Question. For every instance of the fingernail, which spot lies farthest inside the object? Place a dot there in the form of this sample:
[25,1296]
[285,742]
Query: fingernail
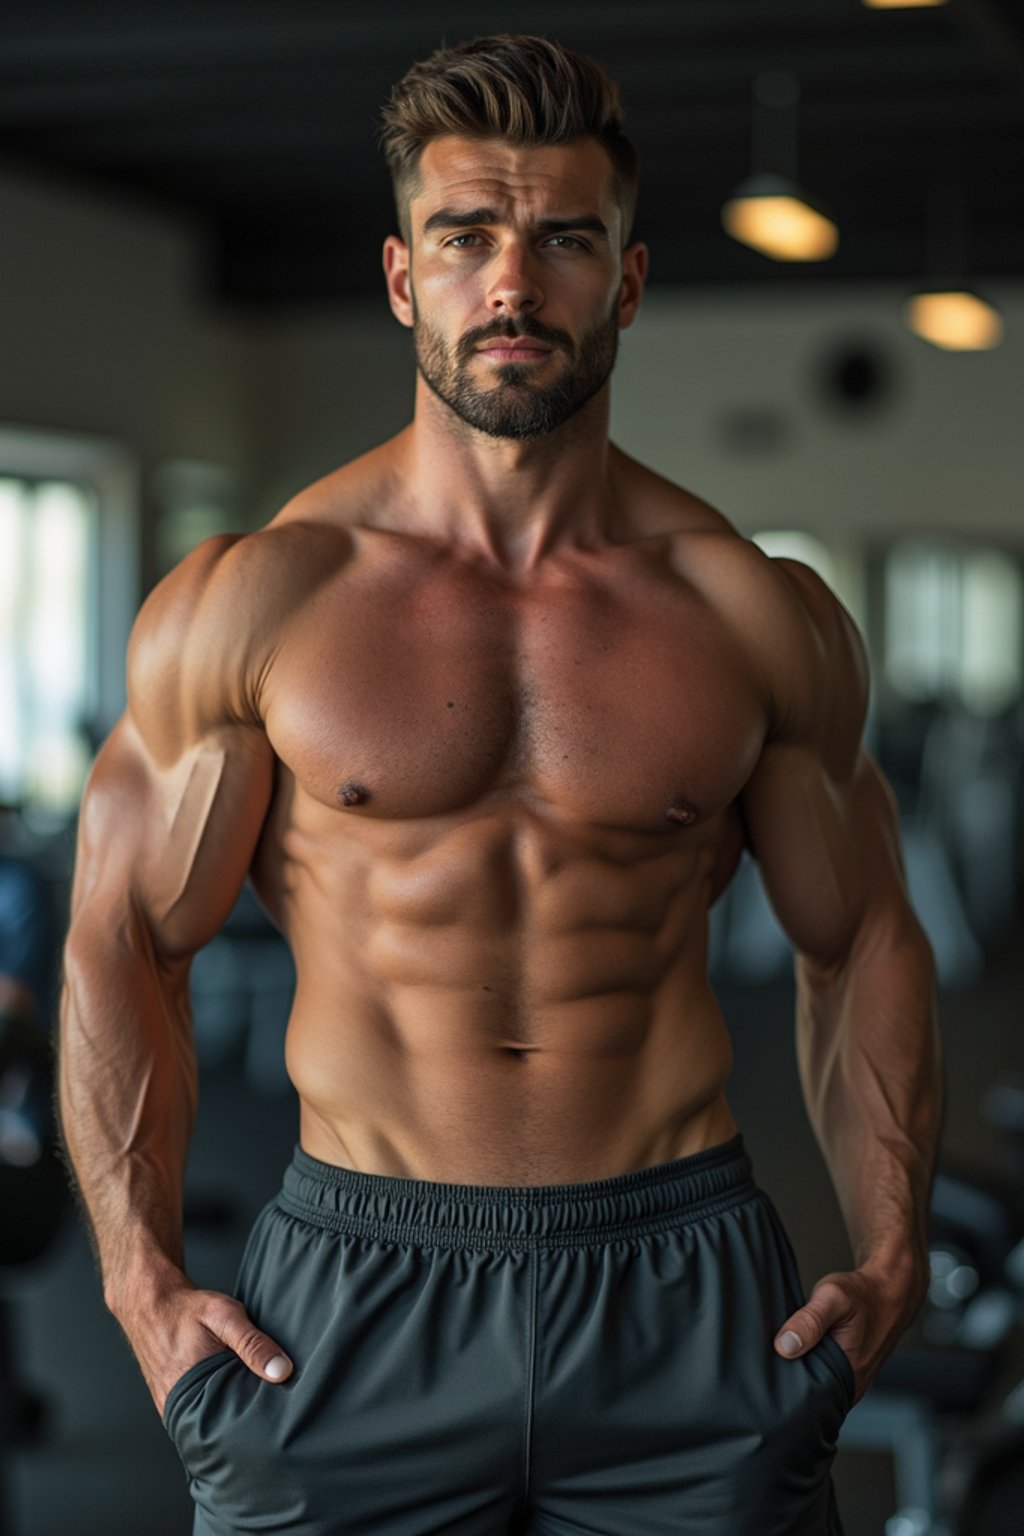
[276,1368]
[790,1342]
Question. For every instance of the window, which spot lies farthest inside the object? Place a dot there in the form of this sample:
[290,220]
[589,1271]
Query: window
[69,590]
[48,666]
[954,624]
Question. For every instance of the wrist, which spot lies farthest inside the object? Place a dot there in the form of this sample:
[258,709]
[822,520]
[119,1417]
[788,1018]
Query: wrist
[903,1256]
[140,1285]
[905,1268]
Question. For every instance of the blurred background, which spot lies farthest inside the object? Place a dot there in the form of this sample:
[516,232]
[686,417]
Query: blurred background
[831,351]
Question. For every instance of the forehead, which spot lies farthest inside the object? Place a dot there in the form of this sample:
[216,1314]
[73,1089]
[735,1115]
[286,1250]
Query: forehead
[524,179]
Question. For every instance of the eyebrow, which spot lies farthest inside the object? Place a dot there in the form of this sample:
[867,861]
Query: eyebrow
[452,218]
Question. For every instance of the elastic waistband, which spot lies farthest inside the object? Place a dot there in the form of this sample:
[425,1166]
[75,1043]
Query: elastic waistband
[498,1217]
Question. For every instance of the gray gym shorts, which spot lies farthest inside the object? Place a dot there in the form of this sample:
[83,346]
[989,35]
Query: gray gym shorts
[591,1359]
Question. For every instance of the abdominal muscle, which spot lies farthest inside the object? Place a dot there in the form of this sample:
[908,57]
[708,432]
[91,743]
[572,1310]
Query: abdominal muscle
[504,1007]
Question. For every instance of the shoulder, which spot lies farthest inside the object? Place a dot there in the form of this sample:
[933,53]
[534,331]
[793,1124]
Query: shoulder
[822,679]
[192,628]
[801,642]
[705,549]
[215,620]
[204,636]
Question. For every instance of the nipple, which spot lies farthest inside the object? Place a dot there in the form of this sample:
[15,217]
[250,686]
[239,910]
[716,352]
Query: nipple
[682,812]
[352,793]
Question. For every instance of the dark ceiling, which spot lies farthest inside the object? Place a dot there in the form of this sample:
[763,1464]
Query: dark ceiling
[258,120]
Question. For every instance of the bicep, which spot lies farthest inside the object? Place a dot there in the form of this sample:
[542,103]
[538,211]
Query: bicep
[171,843]
[176,799]
[821,818]
[828,848]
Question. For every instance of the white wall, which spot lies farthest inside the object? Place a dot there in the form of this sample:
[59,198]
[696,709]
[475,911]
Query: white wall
[943,453]
[103,331]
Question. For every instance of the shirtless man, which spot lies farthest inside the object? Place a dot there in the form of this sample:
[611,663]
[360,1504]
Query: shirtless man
[488,715]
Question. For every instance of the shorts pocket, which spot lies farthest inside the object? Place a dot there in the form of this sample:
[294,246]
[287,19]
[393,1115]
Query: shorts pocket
[195,1374]
[837,1357]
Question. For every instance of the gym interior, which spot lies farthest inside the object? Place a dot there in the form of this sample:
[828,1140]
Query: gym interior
[195,326]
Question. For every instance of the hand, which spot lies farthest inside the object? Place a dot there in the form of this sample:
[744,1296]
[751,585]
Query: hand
[182,1325]
[866,1310]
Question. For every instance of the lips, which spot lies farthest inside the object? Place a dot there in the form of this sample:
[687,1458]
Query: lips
[523,347]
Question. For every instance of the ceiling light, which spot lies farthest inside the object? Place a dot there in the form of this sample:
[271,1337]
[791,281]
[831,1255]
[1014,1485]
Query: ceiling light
[956,320]
[777,218]
[770,211]
[944,310]
[898,5]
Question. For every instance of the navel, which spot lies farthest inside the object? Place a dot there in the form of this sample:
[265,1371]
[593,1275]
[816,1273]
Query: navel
[353,793]
[682,812]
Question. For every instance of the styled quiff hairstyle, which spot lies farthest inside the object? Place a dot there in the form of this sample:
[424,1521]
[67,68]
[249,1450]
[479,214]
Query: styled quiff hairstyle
[517,87]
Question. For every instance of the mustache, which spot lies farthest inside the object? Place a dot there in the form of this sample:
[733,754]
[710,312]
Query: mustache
[511,330]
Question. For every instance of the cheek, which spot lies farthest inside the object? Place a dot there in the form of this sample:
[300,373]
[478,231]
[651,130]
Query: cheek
[443,282]
[587,292]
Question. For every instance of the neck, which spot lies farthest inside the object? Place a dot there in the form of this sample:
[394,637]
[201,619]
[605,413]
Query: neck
[514,503]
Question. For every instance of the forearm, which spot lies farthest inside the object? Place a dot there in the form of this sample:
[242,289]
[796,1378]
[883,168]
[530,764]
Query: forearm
[870,1066]
[127,1093]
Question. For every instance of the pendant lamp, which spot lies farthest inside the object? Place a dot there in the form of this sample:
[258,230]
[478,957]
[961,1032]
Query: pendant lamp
[770,211]
[945,309]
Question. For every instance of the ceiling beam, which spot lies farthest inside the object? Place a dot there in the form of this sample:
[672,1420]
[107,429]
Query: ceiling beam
[84,93]
[998,36]
[186,35]
[912,108]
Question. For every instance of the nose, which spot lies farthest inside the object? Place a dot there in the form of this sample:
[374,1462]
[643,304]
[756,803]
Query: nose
[515,286]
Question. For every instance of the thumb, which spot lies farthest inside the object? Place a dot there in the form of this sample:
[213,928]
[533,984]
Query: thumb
[259,1352]
[799,1333]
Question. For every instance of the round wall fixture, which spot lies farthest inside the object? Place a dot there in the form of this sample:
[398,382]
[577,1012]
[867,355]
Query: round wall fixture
[754,429]
[855,377]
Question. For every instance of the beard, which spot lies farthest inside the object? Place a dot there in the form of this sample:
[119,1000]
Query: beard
[515,407]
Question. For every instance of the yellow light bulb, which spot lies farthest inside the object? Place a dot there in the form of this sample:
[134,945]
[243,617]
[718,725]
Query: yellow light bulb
[957,321]
[781,226]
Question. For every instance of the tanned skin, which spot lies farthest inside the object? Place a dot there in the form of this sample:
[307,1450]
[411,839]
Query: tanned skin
[489,721]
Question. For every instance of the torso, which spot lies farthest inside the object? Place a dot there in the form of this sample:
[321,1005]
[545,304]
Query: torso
[502,810]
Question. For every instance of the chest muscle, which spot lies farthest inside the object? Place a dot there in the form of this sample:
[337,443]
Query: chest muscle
[611,702]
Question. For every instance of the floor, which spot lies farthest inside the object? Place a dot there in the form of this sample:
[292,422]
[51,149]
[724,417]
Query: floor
[107,1467]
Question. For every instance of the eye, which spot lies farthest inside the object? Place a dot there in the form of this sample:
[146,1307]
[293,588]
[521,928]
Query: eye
[573,241]
[456,238]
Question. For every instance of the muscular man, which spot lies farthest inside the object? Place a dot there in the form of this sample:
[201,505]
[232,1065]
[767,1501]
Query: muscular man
[488,715]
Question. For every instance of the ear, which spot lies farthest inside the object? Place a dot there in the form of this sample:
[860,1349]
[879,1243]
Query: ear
[634,275]
[396,272]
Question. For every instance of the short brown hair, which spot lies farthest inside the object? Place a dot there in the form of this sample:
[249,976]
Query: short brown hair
[525,89]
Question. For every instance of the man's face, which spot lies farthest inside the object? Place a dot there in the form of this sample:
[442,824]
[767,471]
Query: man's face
[517,280]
